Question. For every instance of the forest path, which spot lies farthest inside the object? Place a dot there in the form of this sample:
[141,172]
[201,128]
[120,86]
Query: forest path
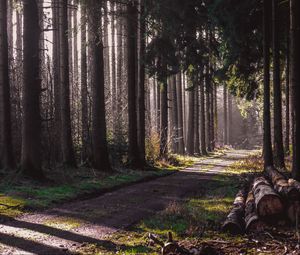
[64,229]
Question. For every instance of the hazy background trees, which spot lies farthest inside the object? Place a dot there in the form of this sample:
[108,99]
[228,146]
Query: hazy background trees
[112,83]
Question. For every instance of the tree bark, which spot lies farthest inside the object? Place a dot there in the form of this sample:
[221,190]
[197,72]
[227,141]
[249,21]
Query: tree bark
[84,87]
[158,113]
[267,201]
[100,157]
[113,67]
[287,98]
[6,153]
[18,84]
[133,154]
[281,184]
[216,116]
[202,119]
[267,148]
[208,108]
[230,120]
[174,108]
[180,114]
[164,119]
[31,162]
[56,81]
[119,73]
[225,97]
[76,87]
[106,53]
[141,85]
[212,115]
[190,146]
[235,223]
[196,128]
[278,140]
[295,81]
[253,223]
[65,114]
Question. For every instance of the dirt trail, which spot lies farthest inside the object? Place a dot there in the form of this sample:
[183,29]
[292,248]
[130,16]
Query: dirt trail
[63,229]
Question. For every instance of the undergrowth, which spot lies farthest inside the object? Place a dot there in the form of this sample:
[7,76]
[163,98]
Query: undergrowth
[19,194]
[197,219]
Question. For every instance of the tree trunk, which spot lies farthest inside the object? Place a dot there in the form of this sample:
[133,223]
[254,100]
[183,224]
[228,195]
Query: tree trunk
[230,120]
[174,108]
[293,206]
[281,184]
[216,115]
[56,82]
[235,223]
[208,108]
[133,153]
[185,108]
[6,153]
[84,87]
[164,119]
[66,130]
[212,115]
[196,128]
[18,84]
[31,127]
[113,67]
[141,85]
[70,45]
[10,33]
[267,201]
[76,88]
[278,141]
[267,148]
[107,66]
[293,209]
[180,114]
[119,73]
[287,98]
[225,97]
[100,157]
[158,113]
[202,119]
[191,126]
[253,223]
[295,80]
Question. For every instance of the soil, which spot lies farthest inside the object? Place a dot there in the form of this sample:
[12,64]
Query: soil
[64,229]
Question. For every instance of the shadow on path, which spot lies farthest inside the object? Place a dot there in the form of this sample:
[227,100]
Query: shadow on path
[108,213]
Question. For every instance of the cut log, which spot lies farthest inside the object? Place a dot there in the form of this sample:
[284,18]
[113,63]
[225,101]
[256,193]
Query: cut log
[235,222]
[267,201]
[281,184]
[295,184]
[293,212]
[253,223]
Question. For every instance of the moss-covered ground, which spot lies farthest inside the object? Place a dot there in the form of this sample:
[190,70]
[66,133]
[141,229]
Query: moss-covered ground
[19,194]
[197,219]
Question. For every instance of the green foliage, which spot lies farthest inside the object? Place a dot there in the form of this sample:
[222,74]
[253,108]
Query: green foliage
[187,34]
[152,148]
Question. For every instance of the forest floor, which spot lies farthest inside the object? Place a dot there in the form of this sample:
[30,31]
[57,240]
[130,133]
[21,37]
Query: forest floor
[191,203]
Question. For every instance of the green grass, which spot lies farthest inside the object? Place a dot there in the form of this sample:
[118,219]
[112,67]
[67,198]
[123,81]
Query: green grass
[65,223]
[198,217]
[21,195]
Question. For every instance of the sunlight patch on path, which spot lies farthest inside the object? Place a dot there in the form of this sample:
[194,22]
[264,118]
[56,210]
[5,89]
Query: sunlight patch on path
[67,228]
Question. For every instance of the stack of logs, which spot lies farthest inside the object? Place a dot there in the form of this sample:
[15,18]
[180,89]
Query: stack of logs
[268,200]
